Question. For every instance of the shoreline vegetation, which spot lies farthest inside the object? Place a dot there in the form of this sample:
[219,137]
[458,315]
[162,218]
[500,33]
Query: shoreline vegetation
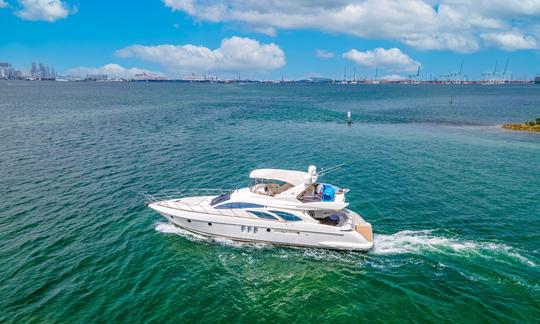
[532,126]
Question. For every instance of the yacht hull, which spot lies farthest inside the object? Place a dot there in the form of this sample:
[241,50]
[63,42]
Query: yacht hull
[266,231]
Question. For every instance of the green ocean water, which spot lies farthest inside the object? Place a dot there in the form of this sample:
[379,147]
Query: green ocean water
[454,201]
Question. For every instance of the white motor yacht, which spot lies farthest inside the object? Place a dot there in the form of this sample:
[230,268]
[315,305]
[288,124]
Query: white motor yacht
[282,207]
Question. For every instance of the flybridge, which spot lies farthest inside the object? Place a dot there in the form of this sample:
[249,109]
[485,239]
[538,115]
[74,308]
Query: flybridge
[299,186]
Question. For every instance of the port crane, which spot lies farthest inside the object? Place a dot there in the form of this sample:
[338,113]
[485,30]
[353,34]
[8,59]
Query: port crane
[413,78]
[494,77]
[454,77]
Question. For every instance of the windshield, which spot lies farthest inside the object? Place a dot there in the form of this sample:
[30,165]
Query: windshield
[220,199]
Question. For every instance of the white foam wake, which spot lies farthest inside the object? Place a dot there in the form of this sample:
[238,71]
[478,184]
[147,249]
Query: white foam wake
[169,228]
[426,241]
[414,242]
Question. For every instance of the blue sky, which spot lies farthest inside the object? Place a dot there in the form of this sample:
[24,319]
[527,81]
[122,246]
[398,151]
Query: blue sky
[268,39]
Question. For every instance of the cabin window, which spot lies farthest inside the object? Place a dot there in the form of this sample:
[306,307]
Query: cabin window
[232,205]
[249,229]
[287,216]
[220,199]
[262,215]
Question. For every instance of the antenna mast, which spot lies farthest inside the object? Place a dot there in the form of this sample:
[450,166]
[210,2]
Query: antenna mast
[331,169]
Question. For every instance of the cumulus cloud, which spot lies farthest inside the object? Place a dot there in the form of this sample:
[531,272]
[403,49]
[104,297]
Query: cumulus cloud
[392,59]
[3,4]
[112,70]
[324,54]
[511,41]
[393,77]
[499,8]
[456,25]
[234,54]
[46,10]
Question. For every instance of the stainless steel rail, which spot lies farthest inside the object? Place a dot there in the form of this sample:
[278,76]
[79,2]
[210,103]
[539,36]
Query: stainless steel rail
[172,199]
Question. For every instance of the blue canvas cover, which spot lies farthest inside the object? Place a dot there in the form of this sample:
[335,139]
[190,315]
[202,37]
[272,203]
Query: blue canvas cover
[328,193]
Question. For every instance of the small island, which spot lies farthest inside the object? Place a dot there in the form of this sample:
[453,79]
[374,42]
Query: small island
[532,126]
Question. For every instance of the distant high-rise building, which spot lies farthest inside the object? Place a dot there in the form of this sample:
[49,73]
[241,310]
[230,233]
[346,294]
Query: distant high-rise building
[17,74]
[537,80]
[33,70]
[42,72]
[6,71]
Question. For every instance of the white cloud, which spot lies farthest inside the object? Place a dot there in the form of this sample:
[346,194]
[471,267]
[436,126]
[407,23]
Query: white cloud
[3,4]
[392,59]
[457,25]
[511,41]
[112,70]
[393,77]
[499,8]
[324,54]
[234,54]
[46,10]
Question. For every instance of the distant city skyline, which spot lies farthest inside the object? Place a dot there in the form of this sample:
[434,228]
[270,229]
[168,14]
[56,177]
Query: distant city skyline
[273,40]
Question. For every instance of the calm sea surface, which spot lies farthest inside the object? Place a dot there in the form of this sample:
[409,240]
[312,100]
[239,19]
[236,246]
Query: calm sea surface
[454,201]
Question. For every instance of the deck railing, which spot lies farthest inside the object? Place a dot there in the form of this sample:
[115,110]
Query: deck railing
[183,193]
[171,199]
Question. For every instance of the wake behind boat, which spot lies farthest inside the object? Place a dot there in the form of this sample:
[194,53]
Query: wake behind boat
[282,207]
